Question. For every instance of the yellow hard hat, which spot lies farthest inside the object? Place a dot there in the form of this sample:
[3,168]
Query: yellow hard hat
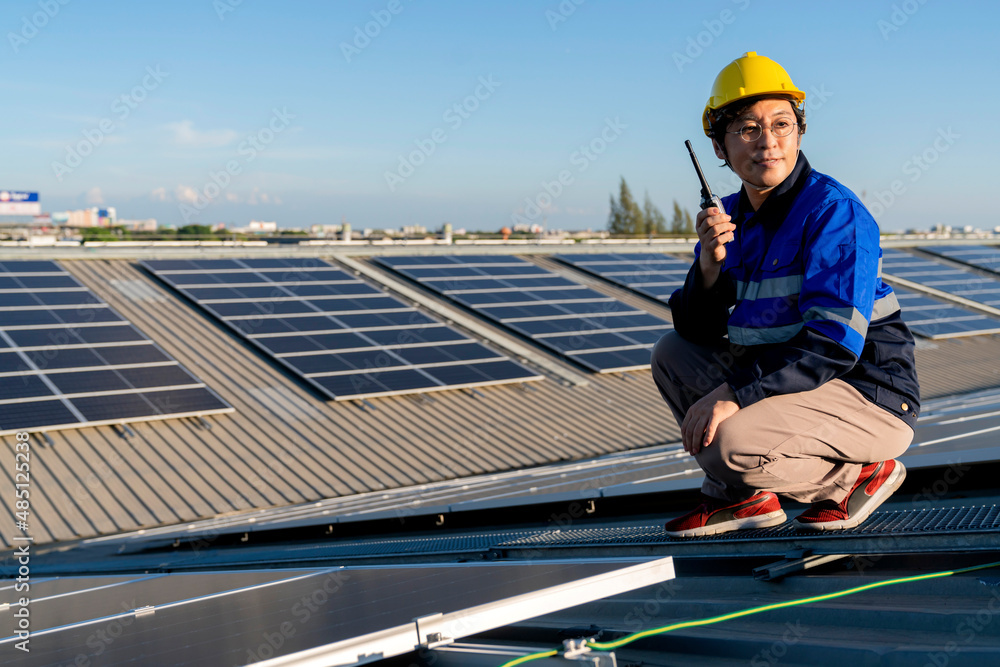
[748,76]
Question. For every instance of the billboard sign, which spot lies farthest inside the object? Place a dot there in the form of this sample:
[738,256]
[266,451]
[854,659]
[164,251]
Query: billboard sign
[13,202]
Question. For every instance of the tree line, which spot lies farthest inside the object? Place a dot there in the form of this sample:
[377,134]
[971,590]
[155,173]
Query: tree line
[627,217]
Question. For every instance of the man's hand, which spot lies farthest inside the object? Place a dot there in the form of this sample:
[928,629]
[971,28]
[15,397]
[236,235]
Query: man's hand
[704,417]
[714,231]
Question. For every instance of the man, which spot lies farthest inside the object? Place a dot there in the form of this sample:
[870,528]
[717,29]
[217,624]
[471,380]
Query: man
[814,393]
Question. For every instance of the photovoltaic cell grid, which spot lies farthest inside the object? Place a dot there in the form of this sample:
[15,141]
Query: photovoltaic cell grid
[655,275]
[935,318]
[345,337]
[68,360]
[981,256]
[599,332]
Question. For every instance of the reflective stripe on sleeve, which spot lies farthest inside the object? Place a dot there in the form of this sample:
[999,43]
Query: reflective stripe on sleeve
[885,306]
[852,317]
[769,288]
[755,336]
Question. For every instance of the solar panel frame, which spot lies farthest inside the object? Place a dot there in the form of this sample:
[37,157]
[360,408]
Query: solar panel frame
[80,337]
[978,256]
[553,316]
[654,275]
[297,326]
[949,319]
[935,318]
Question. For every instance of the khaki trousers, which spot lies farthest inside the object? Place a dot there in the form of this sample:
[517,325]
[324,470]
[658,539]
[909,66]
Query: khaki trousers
[808,446]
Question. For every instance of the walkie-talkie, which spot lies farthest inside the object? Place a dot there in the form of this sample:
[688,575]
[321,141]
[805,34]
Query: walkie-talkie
[707,198]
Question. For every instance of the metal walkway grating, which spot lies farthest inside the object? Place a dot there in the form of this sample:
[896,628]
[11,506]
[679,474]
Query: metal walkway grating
[432,545]
[895,524]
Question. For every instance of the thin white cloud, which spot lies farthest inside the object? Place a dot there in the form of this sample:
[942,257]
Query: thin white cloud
[94,197]
[159,194]
[258,197]
[184,134]
[186,194]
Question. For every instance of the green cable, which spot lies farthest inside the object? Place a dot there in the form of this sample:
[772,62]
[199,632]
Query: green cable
[532,656]
[628,639]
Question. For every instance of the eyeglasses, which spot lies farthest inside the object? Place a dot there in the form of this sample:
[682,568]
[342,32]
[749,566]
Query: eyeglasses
[752,131]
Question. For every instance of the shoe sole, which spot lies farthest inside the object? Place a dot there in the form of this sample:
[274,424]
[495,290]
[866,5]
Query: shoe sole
[893,482]
[759,521]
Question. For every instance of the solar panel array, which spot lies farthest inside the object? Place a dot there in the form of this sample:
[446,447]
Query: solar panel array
[966,283]
[936,318]
[67,359]
[981,256]
[655,275]
[347,338]
[599,332]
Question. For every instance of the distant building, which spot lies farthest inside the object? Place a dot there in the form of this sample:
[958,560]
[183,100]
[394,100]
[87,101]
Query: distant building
[107,217]
[88,217]
[414,230]
[325,231]
[147,225]
[257,227]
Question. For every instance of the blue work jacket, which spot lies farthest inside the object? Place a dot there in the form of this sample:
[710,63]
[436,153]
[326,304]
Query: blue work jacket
[801,298]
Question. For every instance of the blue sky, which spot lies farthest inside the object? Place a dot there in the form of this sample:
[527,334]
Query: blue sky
[225,111]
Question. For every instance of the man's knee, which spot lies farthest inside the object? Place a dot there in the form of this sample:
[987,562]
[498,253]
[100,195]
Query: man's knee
[670,346]
[732,449]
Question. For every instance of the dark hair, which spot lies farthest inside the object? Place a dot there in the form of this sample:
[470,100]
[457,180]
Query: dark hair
[720,119]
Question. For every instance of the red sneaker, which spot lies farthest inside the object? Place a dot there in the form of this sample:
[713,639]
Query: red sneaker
[875,484]
[714,516]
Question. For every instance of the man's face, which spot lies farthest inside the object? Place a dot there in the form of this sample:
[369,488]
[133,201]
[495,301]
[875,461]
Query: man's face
[765,162]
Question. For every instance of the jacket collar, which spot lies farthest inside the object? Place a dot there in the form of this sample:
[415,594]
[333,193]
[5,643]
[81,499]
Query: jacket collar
[776,206]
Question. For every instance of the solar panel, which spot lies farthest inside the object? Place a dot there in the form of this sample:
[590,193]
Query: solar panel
[980,256]
[344,336]
[335,616]
[935,318]
[958,281]
[655,275]
[69,360]
[599,332]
